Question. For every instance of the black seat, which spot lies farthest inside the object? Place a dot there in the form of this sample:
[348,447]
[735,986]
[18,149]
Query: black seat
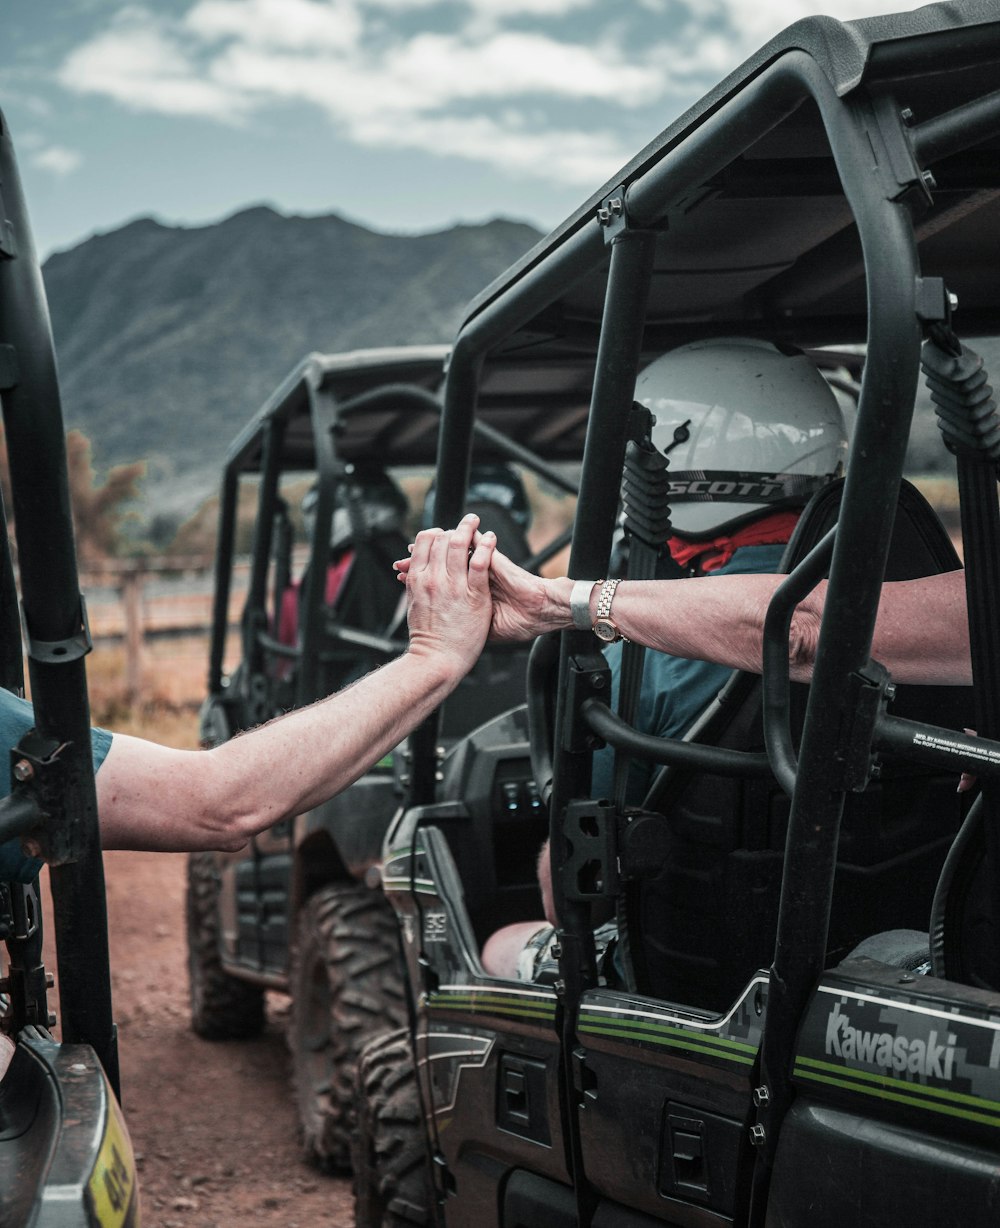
[697,930]
[369,599]
[511,537]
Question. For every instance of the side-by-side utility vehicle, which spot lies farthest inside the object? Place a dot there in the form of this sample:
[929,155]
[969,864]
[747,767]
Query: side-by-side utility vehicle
[801,1026]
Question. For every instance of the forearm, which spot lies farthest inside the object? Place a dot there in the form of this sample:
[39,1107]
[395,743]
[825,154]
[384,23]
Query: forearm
[719,618]
[316,752]
[921,632]
[157,798]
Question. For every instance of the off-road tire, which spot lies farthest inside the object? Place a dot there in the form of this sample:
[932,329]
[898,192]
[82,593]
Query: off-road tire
[392,1184]
[222,1007]
[346,982]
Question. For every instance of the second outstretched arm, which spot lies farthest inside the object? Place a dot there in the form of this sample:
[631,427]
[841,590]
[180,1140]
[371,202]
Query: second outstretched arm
[921,631]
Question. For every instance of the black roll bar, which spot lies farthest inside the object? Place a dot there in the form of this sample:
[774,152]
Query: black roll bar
[323,417]
[421,398]
[345,635]
[537,288]
[867,513]
[54,619]
[776,688]
[225,546]
[550,551]
[714,760]
[957,129]
[11,656]
[946,749]
[629,280]
[255,613]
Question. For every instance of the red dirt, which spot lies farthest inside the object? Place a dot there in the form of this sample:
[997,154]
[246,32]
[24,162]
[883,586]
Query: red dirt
[212,1124]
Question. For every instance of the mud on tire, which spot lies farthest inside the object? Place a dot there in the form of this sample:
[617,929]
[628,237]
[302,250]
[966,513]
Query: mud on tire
[346,983]
[392,1186]
[222,1007]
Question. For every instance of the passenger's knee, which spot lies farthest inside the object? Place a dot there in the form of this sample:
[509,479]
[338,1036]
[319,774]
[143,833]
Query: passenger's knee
[502,950]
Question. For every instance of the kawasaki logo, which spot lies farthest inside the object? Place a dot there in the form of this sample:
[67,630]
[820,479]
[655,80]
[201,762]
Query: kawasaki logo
[898,1053]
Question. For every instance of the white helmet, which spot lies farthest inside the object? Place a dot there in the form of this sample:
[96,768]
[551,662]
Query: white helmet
[748,428]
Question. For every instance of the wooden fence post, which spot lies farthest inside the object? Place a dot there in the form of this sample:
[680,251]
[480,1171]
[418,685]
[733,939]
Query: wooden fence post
[132,585]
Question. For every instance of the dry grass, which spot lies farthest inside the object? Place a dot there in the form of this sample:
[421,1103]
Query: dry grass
[171,691]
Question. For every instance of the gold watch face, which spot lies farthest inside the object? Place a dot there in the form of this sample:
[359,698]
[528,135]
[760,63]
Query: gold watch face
[606,630]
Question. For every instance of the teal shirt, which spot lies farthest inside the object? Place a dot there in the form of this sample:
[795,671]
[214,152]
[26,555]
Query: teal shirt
[16,717]
[674,691]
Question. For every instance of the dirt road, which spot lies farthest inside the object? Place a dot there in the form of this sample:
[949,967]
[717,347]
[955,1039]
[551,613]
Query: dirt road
[212,1124]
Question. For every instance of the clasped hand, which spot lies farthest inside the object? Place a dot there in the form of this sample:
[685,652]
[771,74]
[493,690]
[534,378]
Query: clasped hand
[517,596]
[449,608]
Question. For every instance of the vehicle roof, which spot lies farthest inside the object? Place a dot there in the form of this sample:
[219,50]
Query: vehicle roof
[542,406]
[767,244]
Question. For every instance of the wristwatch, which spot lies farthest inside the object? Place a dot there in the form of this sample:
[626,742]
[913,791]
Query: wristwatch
[579,603]
[605,628]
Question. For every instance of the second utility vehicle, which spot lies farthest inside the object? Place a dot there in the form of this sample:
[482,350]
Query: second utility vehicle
[339,463]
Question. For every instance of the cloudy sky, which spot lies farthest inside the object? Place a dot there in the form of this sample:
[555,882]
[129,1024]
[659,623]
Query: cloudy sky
[402,114]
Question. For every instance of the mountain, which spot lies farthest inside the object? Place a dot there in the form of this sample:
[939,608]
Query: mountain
[169,338]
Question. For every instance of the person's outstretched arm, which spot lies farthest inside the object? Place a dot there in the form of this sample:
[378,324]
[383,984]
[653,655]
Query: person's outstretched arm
[921,633]
[152,797]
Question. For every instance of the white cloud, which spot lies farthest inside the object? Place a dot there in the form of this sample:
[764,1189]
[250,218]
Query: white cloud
[141,63]
[451,92]
[420,81]
[567,157]
[532,8]
[305,24]
[228,58]
[445,68]
[716,36]
[499,9]
[754,23]
[56,159]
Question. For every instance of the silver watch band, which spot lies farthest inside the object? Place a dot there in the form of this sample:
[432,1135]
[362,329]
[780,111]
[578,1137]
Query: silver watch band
[579,603]
[605,627]
[605,598]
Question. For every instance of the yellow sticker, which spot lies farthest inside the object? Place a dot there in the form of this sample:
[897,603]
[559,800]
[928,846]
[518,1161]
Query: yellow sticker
[114,1198]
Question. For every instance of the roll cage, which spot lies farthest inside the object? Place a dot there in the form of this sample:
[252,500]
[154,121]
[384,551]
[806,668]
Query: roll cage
[54,794]
[842,186]
[334,410]
[61,1128]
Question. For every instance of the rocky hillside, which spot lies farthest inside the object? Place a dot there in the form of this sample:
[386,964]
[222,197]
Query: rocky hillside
[169,337]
